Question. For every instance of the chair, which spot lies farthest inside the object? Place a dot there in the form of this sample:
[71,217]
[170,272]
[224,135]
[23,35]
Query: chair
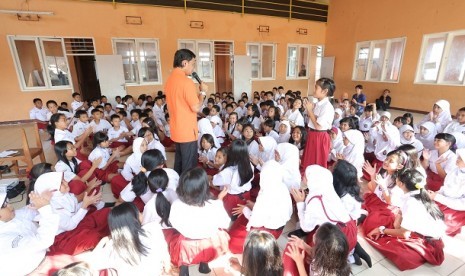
[26,154]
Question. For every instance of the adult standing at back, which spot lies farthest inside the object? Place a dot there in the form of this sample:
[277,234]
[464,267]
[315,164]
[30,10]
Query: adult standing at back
[184,102]
[359,99]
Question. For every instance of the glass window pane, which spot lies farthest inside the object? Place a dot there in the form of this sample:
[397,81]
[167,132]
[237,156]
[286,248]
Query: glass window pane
[432,58]
[267,61]
[252,51]
[204,61]
[377,60]
[291,61]
[29,62]
[455,66]
[127,51]
[319,56]
[187,45]
[303,61]
[56,63]
[361,62]
[394,60]
[148,61]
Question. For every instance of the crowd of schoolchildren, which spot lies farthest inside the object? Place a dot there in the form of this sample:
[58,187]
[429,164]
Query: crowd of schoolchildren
[261,159]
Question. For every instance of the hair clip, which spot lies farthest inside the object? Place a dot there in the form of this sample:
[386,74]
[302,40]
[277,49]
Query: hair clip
[419,186]
[159,190]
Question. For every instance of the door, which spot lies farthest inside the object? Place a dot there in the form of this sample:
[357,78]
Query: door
[111,76]
[242,76]
[88,84]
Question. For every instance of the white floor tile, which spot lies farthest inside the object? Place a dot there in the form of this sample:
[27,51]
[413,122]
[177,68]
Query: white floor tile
[459,272]
[420,271]
[375,255]
[377,269]
[449,265]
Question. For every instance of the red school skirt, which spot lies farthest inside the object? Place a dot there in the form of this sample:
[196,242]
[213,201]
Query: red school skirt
[184,251]
[238,233]
[453,219]
[410,253]
[92,228]
[379,213]
[99,173]
[433,181]
[316,149]
[230,201]
[118,183]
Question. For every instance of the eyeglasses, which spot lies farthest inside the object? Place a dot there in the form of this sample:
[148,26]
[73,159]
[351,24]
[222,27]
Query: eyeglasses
[5,203]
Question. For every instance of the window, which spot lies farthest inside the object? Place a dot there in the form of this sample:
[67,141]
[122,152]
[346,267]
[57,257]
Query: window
[40,62]
[297,61]
[442,59]
[378,61]
[263,60]
[203,51]
[141,60]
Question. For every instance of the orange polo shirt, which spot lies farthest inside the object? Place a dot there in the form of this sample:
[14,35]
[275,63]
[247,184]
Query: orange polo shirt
[181,95]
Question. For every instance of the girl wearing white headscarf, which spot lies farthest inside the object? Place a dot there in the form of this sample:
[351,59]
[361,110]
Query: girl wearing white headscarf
[337,145]
[205,127]
[266,152]
[288,156]
[321,205]
[132,165]
[440,115]
[386,137]
[407,137]
[78,230]
[284,132]
[426,135]
[354,142]
[451,196]
[271,211]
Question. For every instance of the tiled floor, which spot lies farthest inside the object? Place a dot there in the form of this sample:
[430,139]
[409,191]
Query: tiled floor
[454,250]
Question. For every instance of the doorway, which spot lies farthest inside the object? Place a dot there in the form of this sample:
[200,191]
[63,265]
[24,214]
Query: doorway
[81,59]
[224,58]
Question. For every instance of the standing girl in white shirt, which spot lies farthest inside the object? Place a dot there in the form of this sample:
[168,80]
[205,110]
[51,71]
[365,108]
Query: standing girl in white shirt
[108,167]
[200,222]
[414,236]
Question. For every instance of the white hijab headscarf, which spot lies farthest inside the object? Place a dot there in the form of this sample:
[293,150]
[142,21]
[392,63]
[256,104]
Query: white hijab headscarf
[290,159]
[269,145]
[353,152]
[443,118]
[459,139]
[205,127]
[337,145]
[284,137]
[413,141]
[454,183]
[52,182]
[320,183]
[428,140]
[136,147]
[273,202]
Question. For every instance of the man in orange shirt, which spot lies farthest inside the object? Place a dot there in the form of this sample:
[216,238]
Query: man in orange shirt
[184,103]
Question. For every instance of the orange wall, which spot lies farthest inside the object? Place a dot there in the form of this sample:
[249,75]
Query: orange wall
[102,22]
[360,20]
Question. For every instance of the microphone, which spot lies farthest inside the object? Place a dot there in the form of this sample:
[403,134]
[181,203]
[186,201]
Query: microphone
[196,77]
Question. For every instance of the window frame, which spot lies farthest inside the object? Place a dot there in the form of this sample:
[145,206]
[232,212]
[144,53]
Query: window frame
[449,37]
[260,59]
[296,65]
[371,45]
[38,40]
[138,64]
[195,43]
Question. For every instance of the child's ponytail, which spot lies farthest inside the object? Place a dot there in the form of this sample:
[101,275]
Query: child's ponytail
[150,160]
[158,181]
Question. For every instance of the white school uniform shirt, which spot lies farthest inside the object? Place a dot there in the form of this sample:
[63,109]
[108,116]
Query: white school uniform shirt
[452,193]
[113,133]
[382,148]
[289,161]
[252,147]
[255,122]
[69,172]
[105,153]
[64,135]
[136,125]
[67,114]
[219,134]
[103,125]
[416,218]
[311,213]
[133,164]
[394,192]
[38,114]
[230,177]
[205,127]
[150,264]
[353,152]
[295,117]
[75,105]
[448,165]
[195,222]
[89,111]
[273,207]
[150,213]
[107,114]
[79,128]
[365,123]
[413,141]
[155,144]
[273,134]
[232,130]
[210,154]
[159,113]
[324,112]
[23,242]
[455,126]
[353,206]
